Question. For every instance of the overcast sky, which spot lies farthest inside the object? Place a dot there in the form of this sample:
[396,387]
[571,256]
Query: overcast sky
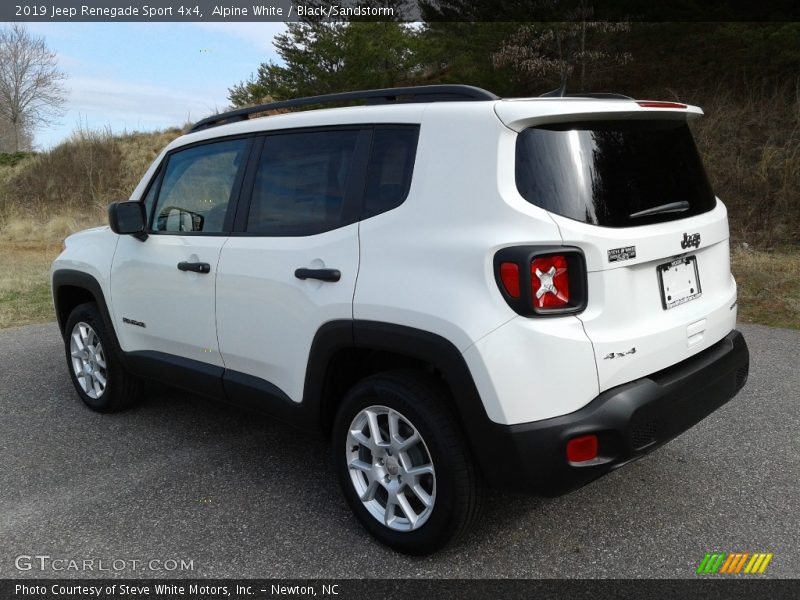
[145,76]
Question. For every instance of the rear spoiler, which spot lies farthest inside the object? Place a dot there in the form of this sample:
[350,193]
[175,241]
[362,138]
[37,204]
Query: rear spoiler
[519,114]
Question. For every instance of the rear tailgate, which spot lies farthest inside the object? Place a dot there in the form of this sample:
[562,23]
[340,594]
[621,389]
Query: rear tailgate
[635,324]
[624,183]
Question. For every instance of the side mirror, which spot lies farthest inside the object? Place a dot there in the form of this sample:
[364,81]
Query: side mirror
[127,218]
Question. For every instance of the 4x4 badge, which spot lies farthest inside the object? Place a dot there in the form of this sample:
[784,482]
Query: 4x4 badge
[612,355]
[690,241]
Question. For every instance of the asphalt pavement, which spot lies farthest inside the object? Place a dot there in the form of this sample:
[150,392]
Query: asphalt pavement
[232,495]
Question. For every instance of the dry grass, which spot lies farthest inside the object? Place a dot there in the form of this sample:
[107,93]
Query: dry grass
[27,248]
[21,227]
[25,282]
[45,198]
[769,287]
[9,171]
[751,146]
[78,178]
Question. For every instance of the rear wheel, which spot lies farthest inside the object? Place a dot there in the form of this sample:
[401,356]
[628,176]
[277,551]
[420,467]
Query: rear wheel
[94,365]
[403,463]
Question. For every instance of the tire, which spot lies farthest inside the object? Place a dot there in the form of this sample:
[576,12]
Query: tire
[94,364]
[439,466]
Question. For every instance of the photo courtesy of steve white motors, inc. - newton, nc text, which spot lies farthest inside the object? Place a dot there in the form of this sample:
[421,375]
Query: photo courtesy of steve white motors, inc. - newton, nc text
[379,299]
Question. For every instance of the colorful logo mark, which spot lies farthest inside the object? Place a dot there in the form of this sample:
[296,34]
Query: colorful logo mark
[734,562]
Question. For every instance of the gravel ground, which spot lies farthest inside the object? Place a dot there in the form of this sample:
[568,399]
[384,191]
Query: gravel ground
[240,496]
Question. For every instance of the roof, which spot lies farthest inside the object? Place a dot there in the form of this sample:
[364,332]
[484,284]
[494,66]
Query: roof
[407,105]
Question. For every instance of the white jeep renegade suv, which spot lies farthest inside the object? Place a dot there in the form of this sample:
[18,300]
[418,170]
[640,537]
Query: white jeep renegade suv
[457,290]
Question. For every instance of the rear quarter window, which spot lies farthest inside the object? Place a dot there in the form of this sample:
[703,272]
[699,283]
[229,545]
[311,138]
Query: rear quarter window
[391,165]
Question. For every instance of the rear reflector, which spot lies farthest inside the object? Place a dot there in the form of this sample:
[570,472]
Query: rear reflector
[658,104]
[509,275]
[582,449]
[550,282]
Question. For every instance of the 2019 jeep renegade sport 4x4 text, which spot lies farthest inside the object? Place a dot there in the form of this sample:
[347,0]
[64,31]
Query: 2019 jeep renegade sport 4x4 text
[456,289]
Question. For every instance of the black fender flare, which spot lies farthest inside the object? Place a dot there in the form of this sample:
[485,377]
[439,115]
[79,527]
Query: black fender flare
[71,278]
[481,432]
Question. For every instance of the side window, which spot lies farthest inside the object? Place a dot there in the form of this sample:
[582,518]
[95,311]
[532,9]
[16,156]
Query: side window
[300,183]
[391,165]
[197,187]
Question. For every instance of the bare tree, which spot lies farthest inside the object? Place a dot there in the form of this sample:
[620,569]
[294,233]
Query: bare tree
[31,91]
[8,135]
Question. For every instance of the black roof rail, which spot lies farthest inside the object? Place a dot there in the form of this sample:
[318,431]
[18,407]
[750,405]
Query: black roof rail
[423,93]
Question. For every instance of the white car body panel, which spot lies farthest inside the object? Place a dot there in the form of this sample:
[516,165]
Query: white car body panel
[267,317]
[625,310]
[452,249]
[521,113]
[90,251]
[176,307]
[521,373]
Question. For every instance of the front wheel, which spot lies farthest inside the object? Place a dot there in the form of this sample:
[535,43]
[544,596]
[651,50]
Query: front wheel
[403,464]
[94,366]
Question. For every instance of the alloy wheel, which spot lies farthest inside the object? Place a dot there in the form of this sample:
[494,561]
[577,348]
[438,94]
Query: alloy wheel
[391,468]
[88,360]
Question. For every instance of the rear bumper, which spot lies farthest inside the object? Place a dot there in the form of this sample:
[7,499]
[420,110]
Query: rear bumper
[629,420]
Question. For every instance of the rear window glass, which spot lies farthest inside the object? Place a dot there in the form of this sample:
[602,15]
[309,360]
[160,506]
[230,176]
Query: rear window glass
[613,173]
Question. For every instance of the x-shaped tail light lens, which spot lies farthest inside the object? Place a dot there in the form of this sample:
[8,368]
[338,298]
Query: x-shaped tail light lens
[550,282]
[542,281]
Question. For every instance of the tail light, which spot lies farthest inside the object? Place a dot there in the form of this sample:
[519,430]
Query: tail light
[660,104]
[539,281]
[509,274]
[550,282]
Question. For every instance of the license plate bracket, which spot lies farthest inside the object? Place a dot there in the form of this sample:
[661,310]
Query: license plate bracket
[679,281]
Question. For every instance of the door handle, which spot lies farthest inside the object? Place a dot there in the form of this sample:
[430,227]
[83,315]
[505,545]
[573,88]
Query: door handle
[197,267]
[321,274]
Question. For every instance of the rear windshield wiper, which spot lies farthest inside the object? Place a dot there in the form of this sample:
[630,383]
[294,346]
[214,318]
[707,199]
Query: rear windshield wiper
[672,207]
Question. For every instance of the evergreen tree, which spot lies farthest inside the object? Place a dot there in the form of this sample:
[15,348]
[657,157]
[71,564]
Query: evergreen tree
[322,57]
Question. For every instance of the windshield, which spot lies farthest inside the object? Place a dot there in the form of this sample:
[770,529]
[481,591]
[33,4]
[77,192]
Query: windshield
[613,173]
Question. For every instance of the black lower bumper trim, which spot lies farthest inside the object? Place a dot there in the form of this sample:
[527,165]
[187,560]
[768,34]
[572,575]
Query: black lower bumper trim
[629,421]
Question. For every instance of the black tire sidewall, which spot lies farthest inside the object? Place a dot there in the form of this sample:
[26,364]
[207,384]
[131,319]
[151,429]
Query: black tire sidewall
[111,397]
[448,511]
